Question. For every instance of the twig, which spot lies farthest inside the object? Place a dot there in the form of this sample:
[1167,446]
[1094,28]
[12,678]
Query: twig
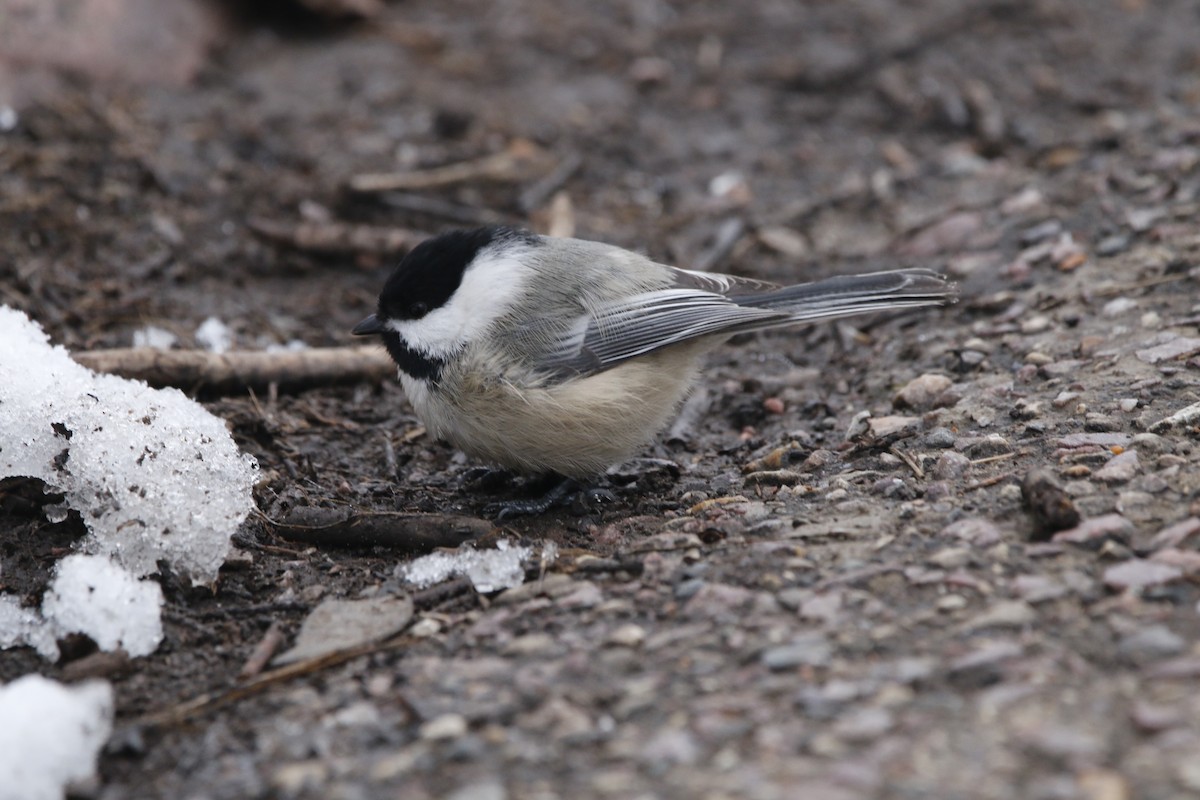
[335,237]
[389,455]
[909,460]
[992,481]
[263,651]
[1129,288]
[1184,416]
[418,533]
[234,371]
[211,701]
[990,459]
[504,166]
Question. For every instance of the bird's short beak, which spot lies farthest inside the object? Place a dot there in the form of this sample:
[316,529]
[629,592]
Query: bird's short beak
[368,326]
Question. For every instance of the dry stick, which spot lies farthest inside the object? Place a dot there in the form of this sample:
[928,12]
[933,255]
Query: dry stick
[419,533]
[263,651]
[1129,288]
[210,701]
[982,484]
[334,238]
[234,371]
[909,461]
[500,166]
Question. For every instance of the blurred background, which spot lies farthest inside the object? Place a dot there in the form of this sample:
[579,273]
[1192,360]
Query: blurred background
[878,618]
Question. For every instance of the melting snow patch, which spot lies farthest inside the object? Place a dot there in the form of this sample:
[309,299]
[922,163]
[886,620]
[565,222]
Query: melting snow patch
[214,335]
[92,595]
[154,337]
[154,476]
[50,736]
[488,570]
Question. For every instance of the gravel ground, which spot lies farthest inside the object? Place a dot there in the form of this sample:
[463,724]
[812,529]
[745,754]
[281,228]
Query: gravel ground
[952,553]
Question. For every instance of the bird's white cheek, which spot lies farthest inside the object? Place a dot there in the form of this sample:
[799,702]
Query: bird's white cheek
[490,287]
[437,334]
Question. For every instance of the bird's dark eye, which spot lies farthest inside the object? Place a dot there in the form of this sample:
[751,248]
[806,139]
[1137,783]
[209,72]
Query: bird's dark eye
[418,310]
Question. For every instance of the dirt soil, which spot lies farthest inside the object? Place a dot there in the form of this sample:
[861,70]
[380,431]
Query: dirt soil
[787,599]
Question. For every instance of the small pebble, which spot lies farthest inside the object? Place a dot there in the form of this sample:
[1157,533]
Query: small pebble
[863,725]
[811,649]
[1089,345]
[1063,399]
[882,427]
[1043,230]
[951,557]
[1038,588]
[1066,368]
[1037,358]
[1098,528]
[1119,469]
[951,602]
[629,635]
[1138,573]
[818,459]
[773,405]
[976,531]
[1035,324]
[1151,643]
[1072,440]
[940,438]
[1004,614]
[1111,245]
[1176,347]
[1153,718]
[1150,443]
[447,726]
[922,392]
[951,465]
[1118,306]
[985,446]
[1098,422]
[1175,535]
[1026,409]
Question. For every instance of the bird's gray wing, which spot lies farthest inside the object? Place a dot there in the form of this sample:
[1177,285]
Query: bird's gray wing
[698,304]
[733,286]
[642,323]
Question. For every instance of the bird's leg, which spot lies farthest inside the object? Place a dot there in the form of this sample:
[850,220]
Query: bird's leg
[565,491]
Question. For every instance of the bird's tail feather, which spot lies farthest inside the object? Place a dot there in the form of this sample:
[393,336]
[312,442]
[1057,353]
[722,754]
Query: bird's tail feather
[857,294]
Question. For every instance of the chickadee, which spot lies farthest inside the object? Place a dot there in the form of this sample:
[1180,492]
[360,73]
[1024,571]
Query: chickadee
[543,354]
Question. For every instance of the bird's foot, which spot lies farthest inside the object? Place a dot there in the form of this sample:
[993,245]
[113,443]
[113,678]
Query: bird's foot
[566,492]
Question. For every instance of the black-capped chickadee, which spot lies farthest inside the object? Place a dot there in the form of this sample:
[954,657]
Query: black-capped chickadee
[542,354]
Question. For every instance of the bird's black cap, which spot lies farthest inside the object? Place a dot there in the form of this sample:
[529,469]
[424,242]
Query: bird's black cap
[432,271]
